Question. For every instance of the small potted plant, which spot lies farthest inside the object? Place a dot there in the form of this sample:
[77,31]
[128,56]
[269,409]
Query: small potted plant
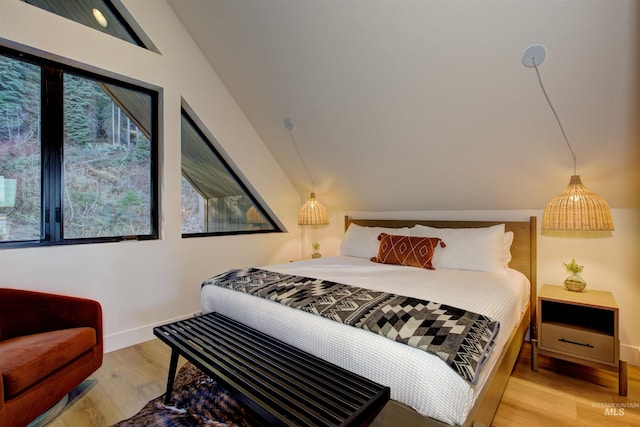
[574,282]
[316,250]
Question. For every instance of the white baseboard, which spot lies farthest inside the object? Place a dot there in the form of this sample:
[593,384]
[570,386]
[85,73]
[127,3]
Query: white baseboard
[631,354]
[129,337]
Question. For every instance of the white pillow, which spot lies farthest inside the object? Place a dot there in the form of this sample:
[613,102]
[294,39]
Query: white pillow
[362,242]
[477,249]
[506,248]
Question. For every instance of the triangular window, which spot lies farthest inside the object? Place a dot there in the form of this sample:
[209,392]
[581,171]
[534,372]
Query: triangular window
[215,200]
[107,16]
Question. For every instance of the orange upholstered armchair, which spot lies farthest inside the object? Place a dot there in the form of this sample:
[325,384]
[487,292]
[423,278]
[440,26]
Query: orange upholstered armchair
[49,344]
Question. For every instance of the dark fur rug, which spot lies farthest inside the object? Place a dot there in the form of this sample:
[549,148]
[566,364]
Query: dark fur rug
[197,401]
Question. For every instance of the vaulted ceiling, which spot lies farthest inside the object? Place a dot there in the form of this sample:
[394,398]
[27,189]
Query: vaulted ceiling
[425,104]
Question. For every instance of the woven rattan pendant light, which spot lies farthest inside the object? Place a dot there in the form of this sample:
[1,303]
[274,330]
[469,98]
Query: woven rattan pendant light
[312,212]
[576,208]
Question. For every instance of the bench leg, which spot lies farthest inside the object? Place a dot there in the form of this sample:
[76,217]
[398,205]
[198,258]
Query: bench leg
[173,365]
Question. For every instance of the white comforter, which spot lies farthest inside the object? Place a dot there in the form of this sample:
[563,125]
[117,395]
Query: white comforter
[416,378]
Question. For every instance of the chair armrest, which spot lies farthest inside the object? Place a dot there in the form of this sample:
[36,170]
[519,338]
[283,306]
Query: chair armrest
[27,312]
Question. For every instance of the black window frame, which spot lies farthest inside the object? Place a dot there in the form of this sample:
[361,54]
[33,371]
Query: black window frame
[52,140]
[240,180]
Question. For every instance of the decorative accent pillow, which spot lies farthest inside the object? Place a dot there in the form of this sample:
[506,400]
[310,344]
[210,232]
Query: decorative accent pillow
[407,250]
[477,249]
[362,242]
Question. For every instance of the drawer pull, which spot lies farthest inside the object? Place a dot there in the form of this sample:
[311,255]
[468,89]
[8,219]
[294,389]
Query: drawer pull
[575,343]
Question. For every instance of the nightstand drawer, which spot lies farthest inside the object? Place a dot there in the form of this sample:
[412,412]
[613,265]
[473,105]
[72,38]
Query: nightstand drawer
[578,342]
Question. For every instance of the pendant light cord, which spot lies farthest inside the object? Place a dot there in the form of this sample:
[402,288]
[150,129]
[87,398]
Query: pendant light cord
[290,127]
[544,91]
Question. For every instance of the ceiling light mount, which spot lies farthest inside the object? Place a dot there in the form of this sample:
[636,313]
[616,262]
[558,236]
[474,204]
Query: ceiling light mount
[534,56]
[288,123]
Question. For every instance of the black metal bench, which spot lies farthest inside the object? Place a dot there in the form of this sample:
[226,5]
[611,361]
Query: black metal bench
[284,385]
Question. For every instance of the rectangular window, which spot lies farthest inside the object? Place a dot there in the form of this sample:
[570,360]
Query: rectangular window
[77,156]
[214,199]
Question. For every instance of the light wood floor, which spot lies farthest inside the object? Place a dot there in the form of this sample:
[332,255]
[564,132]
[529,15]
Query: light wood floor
[131,377]
[565,394]
[125,382]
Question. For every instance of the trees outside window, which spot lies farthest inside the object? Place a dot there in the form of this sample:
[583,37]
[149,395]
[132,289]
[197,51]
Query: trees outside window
[77,156]
[20,155]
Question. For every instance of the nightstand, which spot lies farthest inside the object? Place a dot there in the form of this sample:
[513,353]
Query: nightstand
[580,327]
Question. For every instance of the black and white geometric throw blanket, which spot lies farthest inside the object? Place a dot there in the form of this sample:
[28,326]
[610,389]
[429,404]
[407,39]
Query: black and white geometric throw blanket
[460,338]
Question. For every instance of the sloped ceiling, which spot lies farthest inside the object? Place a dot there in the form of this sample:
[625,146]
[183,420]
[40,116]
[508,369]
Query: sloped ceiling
[425,104]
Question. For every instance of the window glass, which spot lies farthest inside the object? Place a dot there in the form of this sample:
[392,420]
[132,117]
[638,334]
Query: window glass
[107,158]
[193,213]
[20,155]
[78,155]
[100,15]
[214,198]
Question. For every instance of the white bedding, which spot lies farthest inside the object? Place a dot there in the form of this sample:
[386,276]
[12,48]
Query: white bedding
[416,378]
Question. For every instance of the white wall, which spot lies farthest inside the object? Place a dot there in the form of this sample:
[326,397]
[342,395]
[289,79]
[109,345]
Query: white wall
[610,259]
[141,284]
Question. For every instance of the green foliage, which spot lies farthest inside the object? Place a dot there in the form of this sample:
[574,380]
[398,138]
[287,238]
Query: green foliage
[573,266]
[19,97]
[85,119]
[130,199]
[106,158]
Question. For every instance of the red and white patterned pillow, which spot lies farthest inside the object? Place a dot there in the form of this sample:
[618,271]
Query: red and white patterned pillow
[407,250]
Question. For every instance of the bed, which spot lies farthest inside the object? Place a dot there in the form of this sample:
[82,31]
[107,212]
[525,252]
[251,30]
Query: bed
[424,390]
